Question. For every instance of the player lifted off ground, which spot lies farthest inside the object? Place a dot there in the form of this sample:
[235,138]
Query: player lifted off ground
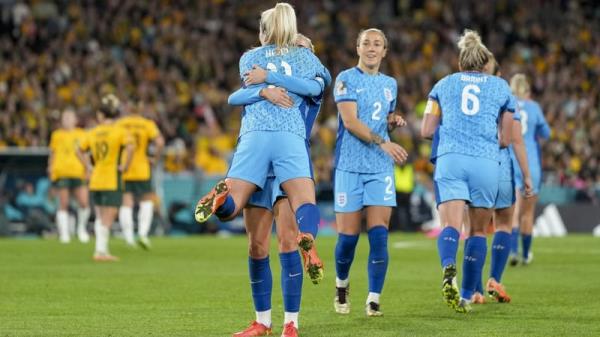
[271,203]
[273,137]
[68,176]
[137,178]
[464,113]
[105,142]
[364,166]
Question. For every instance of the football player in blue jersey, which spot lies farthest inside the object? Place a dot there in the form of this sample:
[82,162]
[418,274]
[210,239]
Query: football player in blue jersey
[534,128]
[271,203]
[504,206]
[469,115]
[364,165]
[273,138]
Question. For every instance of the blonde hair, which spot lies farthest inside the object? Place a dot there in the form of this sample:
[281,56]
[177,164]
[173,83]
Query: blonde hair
[520,86]
[278,25]
[473,55]
[302,37]
[373,30]
[109,106]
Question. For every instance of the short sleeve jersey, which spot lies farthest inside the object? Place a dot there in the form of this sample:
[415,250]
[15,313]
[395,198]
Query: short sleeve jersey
[375,97]
[105,142]
[65,164]
[142,130]
[471,104]
[293,61]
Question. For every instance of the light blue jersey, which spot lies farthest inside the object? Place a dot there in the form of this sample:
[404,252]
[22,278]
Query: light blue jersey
[375,97]
[533,127]
[471,105]
[292,61]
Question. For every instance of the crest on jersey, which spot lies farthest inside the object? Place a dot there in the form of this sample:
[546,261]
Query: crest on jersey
[340,88]
[341,199]
[388,94]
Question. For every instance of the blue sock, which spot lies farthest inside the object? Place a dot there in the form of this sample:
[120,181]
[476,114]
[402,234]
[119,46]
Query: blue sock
[261,282]
[344,254]
[448,245]
[514,241]
[475,251]
[291,280]
[308,218]
[500,252]
[227,209]
[378,258]
[526,241]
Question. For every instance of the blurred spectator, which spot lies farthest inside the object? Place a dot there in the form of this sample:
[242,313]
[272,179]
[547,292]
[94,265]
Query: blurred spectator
[181,59]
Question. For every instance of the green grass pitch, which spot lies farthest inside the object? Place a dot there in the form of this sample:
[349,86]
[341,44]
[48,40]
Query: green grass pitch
[199,287]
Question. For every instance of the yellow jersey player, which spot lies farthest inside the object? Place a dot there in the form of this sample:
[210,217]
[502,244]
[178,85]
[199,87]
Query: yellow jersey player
[68,175]
[106,142]
[137,178]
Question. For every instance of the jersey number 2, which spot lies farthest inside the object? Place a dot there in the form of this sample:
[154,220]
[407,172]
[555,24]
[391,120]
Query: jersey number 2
[470,102]
[376,116]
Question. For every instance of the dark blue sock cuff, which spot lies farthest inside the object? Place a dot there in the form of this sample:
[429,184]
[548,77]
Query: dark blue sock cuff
[227,209]
[308,218]
[288,257]
[378,234]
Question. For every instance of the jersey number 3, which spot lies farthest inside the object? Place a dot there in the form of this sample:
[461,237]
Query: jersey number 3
[470,102]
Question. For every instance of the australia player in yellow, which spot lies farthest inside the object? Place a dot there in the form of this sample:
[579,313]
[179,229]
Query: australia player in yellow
[137,178]
[68,176]
[106,142]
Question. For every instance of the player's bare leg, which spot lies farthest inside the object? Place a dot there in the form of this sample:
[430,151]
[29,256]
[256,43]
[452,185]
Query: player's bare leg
[526,217]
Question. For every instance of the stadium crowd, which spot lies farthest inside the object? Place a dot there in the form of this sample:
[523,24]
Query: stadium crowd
[181,59]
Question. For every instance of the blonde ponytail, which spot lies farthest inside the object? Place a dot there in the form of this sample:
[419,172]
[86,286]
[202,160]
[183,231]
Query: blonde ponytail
[520,86]
[278,25]
[473,55]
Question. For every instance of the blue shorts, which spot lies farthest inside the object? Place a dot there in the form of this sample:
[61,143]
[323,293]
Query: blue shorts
[353,191]
[536,178]
[462,177]
[267,197]
[258,151]
[506,195]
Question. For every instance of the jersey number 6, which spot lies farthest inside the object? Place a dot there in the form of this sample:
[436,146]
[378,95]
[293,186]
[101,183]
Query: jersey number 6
[469,95]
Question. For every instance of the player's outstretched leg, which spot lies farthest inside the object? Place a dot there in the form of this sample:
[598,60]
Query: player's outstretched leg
[308,218]
[344,255]
[213,200]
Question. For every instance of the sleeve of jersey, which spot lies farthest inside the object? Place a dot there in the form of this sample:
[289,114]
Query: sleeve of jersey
[245,65]
[246,96]
[511,102]
[297,85]
[434,93]
[84,143]
[53,141]
[326,76]
[394,97]
[343,90]
[153,131]
[542,128]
